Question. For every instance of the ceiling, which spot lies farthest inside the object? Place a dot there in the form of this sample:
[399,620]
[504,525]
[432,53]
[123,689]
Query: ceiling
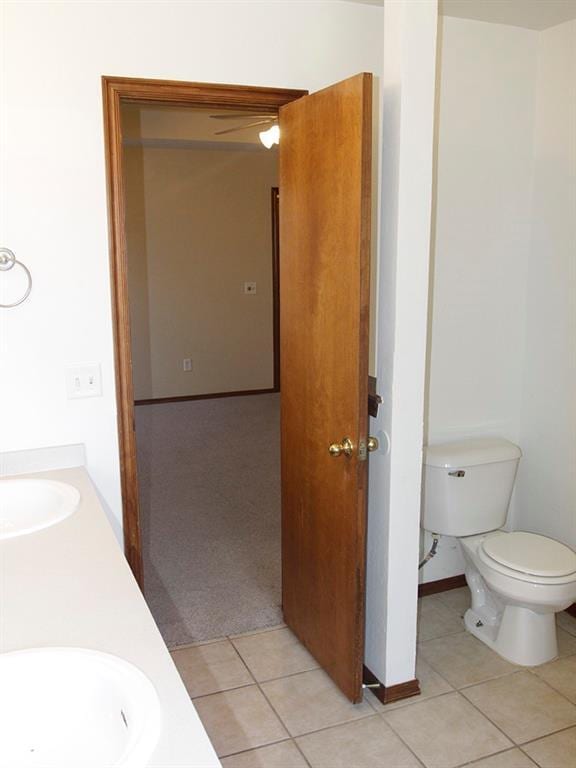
[178,126]
[532,14]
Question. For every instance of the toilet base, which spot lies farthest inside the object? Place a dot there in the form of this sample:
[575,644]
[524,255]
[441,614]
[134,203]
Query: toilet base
[520,635]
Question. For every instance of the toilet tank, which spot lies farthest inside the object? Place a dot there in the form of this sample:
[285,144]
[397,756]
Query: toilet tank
[467,485]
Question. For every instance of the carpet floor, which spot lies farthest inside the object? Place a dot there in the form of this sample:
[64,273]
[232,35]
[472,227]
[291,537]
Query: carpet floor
[209,477]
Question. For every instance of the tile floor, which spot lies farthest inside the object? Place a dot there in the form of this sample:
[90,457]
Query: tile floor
[266,704]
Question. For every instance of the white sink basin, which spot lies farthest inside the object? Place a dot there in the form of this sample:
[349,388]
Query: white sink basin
[30,505]
[72,708]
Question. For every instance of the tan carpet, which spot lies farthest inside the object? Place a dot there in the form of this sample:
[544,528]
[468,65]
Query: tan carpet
[209,474]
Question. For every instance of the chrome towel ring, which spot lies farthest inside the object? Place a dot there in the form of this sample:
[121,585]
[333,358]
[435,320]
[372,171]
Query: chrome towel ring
[7,261]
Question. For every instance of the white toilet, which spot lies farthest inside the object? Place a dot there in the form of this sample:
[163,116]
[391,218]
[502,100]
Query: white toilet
[518,580]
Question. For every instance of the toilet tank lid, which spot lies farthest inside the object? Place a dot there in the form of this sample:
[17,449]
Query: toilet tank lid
[469,453]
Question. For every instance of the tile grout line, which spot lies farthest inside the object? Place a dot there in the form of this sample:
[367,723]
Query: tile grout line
[546,735]
[560,658]
[221,690]
[439,637]
[221,638]
[261,746]
[515,743]
[540,738]
[401,739]
[494,754]
[280,677]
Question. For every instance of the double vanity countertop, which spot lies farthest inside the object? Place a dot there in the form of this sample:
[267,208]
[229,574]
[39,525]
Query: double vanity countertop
[70,585]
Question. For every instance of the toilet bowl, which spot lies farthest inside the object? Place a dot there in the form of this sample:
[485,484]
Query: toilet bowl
[518,582]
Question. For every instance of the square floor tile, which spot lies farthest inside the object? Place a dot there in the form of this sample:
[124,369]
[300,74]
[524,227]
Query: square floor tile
[567,622]
[464,660]
[274,654]
[285,754]
[523,706]
[310,701]
[239,720]
[459,600]
[209,668]
[367,743]
[512,758]
[556,751]
[431,684]
[566,643]
[561,675]
[446,731]
[436,620]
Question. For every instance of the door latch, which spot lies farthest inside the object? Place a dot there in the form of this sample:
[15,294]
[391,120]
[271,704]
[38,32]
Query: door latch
[367,446]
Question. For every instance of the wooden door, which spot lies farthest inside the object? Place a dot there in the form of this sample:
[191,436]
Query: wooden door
[325,163]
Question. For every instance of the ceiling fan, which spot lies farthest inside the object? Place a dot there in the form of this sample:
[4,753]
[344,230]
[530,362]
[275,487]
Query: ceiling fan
[267,137]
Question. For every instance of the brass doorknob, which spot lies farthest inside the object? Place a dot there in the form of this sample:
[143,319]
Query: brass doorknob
[372,444]
[346,447]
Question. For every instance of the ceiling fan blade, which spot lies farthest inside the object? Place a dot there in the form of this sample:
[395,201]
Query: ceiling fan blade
[242,116]
[242,127]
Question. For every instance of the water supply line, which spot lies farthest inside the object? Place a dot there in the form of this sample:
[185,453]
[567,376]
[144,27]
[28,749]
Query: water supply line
[432,551]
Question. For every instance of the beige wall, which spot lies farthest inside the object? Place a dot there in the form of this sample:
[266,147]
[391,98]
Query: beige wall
[206,230]
[137,269]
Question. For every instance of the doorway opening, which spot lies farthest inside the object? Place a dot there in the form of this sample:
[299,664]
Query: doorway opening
[194,203]
[201,217]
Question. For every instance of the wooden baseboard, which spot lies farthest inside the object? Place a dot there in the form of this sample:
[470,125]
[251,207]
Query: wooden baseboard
[209,396]
[442,585]
[386,694]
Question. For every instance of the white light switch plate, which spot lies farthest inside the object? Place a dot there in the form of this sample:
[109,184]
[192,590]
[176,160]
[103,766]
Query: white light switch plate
[83,380]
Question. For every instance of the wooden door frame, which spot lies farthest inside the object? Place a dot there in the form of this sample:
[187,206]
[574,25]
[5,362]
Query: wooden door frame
[275,216]
[115,91]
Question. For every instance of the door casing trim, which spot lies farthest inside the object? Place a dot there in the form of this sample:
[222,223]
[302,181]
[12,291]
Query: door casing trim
[115,91]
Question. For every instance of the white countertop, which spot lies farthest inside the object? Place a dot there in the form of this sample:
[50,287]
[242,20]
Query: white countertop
[69,585]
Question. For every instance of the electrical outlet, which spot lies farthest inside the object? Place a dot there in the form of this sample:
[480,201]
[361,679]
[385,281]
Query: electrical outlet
[250,287]
[187,364]
[83,380]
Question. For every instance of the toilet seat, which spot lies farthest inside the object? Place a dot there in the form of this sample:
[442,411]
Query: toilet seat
[529,557]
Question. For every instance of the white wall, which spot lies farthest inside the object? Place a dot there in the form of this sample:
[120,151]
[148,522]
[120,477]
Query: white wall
[503,330]
[54,203]
[546,483]
[483,215]
[406,195]
[482,239]
[53,173]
